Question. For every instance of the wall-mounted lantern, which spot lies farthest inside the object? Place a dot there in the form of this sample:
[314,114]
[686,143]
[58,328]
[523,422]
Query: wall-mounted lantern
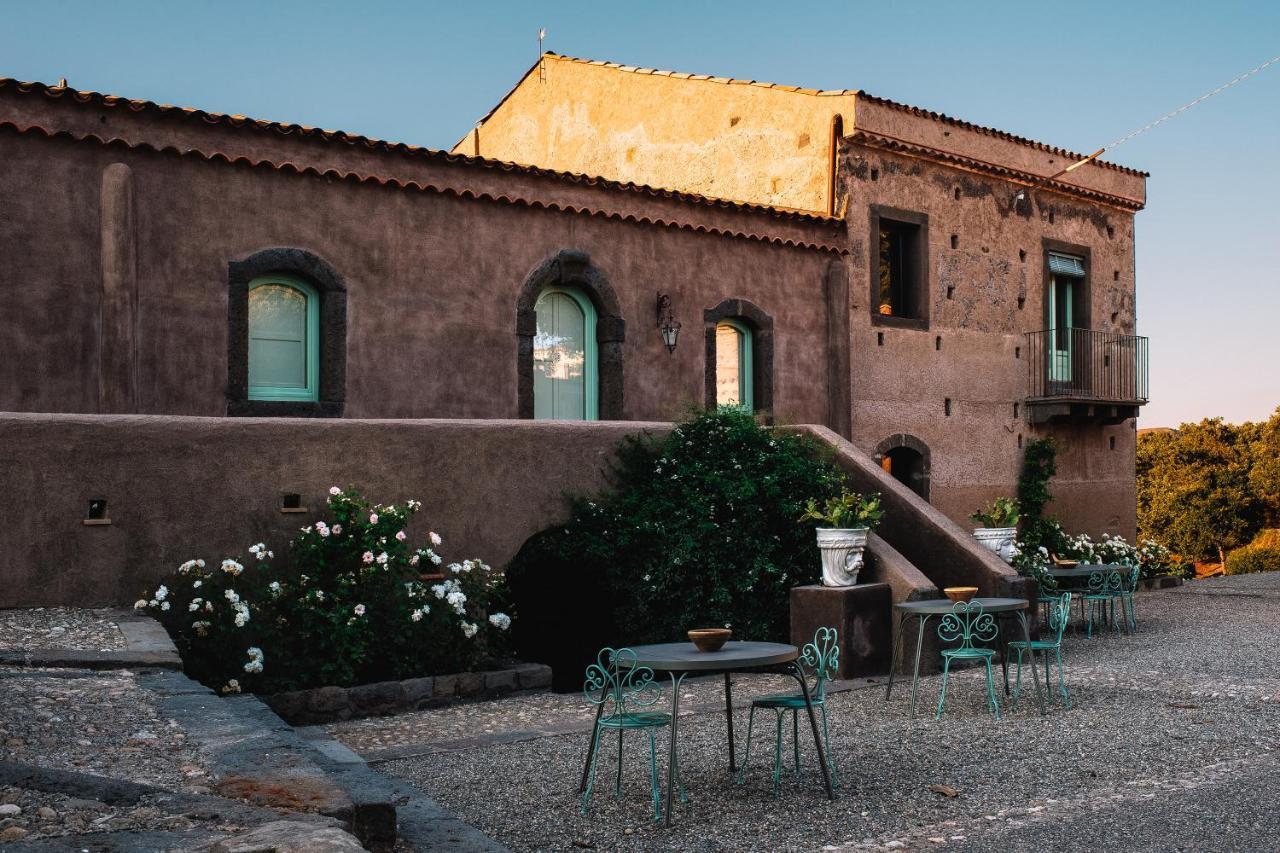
[668,325]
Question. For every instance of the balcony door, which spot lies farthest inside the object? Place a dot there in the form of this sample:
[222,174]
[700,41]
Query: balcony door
[1066,279]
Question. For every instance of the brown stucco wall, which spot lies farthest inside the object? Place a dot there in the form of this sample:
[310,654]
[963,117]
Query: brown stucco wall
[432,282]
[973,350]
[733,139]
[179,488]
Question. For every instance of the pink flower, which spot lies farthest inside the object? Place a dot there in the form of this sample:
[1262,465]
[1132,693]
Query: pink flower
[373,518]
[401,537]
[368,557]
[335,491]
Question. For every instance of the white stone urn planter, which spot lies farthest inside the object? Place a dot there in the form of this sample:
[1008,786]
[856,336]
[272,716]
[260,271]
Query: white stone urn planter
[998,539]
[841,551]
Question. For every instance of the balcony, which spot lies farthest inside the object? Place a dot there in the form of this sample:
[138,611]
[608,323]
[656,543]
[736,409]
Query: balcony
[1085,376]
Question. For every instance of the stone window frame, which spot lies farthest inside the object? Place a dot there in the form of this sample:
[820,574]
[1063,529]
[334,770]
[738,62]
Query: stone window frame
[332,291]
[922,291]
[572,269]
[761,325]
[903,439]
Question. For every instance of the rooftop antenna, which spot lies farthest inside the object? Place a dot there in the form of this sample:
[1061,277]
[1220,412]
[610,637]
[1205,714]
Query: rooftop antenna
[542,65]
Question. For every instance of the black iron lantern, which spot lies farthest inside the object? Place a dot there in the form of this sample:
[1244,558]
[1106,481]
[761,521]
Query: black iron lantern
[668,325]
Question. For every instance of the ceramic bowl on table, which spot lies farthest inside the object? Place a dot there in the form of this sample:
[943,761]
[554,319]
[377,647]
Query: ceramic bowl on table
[710,639]
[961,593]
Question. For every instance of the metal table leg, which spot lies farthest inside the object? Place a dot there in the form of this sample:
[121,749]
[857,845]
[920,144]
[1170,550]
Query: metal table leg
[1026,635]
[591,748]
[728,715]
[896,656]
[915,675]
[676,680]
[813,724]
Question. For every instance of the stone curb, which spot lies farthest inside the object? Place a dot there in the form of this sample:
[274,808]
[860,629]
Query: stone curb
[257,757]
[321,705]
[147,646]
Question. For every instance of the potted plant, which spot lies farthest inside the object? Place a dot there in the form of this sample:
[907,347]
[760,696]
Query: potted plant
[843,525]
[999,528]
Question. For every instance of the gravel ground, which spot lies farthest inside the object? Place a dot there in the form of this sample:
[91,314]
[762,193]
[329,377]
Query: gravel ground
[1188,707]
[44,815]
[60,628]
[94,722]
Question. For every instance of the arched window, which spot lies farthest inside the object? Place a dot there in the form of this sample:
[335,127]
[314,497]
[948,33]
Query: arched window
[284,339]
[734,370]
[565,376]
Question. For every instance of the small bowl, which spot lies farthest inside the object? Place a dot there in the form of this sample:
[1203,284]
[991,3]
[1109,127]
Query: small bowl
[961,593]
[710,639]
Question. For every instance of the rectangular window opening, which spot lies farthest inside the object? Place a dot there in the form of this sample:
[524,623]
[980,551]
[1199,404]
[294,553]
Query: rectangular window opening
[899,272]
[946,406]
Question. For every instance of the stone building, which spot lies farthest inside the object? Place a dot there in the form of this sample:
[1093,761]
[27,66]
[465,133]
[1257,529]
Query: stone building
[929,289]
[965,246]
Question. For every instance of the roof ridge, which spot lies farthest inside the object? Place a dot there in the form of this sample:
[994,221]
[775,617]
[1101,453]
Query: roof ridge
[862,93]
[402,148]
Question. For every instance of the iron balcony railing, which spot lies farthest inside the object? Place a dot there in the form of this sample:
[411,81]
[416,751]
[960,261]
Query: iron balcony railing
[1083,364]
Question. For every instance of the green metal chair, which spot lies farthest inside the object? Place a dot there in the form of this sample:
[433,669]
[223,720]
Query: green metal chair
[618,687]
[1105,587]
[821,660]
[1126,597]
[967,622]
[1059,613]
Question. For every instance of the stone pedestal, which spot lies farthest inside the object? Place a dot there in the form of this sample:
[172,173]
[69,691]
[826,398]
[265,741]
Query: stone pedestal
[863,616]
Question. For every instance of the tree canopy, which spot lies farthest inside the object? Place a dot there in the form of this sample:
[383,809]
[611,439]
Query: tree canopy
[1209,487]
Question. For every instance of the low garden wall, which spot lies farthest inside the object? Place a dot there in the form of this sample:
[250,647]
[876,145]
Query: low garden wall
[181,487]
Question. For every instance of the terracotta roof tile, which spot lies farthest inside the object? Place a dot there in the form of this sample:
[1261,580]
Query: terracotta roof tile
[91,98]
[353,177]
[888,143]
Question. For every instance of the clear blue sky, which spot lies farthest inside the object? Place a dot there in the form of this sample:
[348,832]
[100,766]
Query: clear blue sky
[1073,74]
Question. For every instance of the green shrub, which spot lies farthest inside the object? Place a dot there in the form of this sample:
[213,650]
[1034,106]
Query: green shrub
[352,606]
[699,529]
[1002,512]
[1268,538]
[1253,558]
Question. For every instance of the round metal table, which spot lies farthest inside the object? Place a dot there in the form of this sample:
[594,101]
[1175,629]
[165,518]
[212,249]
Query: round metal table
[680,659]
[1084,570]
[923,611]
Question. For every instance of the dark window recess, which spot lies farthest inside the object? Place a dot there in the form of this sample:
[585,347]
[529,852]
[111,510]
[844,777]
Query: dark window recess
[291,500]
[946,407]
[1112,442]
[1051,217]
[1022,302]
[1115,276]
[900,271]
[1022,255]
[879,339]
[955,241]
[1111,232]
[1015,410]
[875,174]
[951,291]
[937,342]
[957,193]
[1019,441]
[1017,352]
[97,509]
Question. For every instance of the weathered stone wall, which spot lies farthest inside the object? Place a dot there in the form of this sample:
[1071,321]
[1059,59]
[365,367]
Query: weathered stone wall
[733,139]
[178,488]
[984,292]
[116,278]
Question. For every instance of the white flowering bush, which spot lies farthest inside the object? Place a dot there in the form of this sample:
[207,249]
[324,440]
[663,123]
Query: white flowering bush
[1033,560]
[352,602]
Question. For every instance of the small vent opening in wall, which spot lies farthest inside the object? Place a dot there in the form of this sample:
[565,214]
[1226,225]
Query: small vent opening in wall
[937,342]
[879,339]
[951,291]
[1112,442]
[946,407]
[955,241]
[1022,255]
[1019,441]
[1015,410]
[291,502]
[1022,302]
[97,512]
[1017,352]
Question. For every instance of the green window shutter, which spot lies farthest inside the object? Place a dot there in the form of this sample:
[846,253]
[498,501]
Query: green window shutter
[565,383]
[284,345]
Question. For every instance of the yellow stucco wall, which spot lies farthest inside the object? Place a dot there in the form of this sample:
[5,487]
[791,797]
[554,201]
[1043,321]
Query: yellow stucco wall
[735,140]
